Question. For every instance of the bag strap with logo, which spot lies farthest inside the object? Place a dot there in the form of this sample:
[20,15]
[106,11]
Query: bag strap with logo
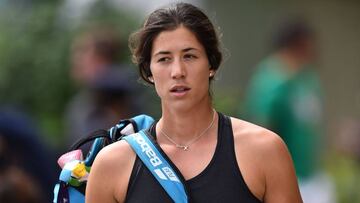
[160,168]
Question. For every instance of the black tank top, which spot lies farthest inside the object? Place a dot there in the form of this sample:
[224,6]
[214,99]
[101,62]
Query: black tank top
[221,181]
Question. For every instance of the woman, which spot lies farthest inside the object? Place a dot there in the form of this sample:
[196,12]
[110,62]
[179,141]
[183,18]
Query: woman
[222,159]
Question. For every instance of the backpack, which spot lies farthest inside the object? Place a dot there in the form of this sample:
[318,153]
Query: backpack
[75,170]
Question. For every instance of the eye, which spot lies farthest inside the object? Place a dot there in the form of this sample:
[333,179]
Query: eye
[190,56]
[163,59]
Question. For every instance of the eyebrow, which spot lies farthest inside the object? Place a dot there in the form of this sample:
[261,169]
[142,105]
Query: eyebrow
[168,52]
[189,49]
[162,52]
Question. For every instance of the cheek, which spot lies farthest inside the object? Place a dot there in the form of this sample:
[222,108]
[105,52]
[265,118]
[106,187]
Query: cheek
[201,72]
[159,81]
[155,69]
[201,80]
[157,74]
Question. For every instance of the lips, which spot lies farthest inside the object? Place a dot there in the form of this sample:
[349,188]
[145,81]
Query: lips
[179,89]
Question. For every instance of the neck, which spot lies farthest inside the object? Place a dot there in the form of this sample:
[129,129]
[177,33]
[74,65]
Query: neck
[184,125]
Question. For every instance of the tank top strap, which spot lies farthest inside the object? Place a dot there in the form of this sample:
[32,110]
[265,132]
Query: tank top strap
[227,156]
[225,137]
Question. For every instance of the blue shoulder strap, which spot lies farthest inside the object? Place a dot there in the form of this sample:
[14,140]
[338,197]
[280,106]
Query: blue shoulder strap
[158,166]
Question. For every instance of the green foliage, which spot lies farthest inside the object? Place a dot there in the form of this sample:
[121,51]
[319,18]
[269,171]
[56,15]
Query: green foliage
[34,57]
[33,61]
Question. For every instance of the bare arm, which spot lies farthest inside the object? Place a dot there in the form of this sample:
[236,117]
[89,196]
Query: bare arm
[110,174]
[280,180]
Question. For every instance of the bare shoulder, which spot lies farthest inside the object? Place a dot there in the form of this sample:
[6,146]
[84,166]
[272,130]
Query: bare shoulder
[110,173]
[259,144]
[116,154]
[256,137]
[265,163]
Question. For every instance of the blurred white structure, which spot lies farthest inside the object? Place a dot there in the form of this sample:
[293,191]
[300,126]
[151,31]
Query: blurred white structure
[74,11]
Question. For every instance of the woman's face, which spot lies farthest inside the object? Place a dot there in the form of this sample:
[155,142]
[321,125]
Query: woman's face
[180,69]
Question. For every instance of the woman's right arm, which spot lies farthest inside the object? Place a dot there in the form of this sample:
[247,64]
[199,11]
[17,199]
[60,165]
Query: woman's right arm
[110,173]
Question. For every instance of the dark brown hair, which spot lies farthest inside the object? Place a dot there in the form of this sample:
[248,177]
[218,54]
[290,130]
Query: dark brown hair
[171,18]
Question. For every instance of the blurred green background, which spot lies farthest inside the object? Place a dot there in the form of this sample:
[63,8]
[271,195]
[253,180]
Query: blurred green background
[35,39]
[35,42]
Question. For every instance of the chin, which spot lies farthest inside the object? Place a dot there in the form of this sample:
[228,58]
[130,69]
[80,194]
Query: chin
[181,105]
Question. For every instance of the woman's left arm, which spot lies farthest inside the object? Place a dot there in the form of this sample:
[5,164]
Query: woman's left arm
[280,179]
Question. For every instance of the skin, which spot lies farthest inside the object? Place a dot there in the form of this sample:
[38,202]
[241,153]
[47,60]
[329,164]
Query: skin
[86,63]
[179,60]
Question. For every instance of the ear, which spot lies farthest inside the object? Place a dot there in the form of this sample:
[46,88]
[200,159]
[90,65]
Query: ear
[211,74]
[151,79]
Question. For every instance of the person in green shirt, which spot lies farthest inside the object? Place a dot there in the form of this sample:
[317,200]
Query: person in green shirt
[284,95]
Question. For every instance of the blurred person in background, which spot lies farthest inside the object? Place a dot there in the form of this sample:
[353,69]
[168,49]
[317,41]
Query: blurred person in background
[27,169]
[106,89]
[284,95]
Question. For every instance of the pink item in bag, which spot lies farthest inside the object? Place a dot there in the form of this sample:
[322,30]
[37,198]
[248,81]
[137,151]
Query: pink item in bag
[70,156]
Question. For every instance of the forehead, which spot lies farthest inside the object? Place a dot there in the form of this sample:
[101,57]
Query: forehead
[174,40]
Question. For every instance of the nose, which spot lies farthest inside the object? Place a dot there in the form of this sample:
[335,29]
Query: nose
[178,69]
